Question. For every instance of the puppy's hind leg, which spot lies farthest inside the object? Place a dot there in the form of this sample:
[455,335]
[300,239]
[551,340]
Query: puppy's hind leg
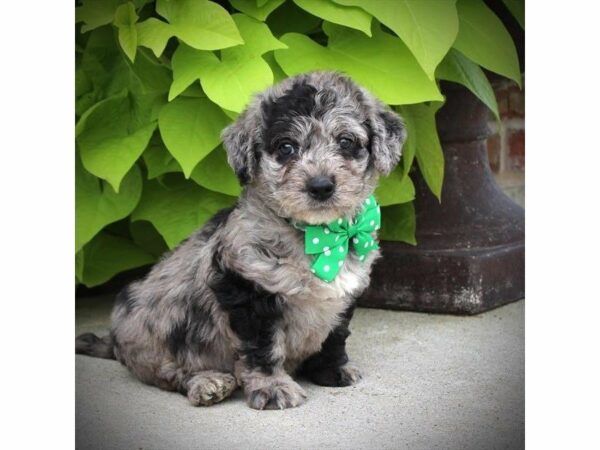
[201,387]
[208,387]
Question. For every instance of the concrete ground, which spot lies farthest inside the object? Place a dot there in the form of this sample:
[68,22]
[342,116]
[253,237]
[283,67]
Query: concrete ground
[430,382]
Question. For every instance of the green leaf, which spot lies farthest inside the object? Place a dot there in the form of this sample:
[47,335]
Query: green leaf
[189,65]
[395,188]
[177,208]
[154,34]
[278,73]
[107,255]
[111,138]
[483,39]
[232,83]
[258,11]
[348,16]
[191,128]
[430,156]
[517,9]
[83,84]
[460,69]
[79,261]
[231,114]
[194,90]
[410,146]
[95,13]
[125,20]
[398,223]
[97,204]
[229,83]
[159,161]
[145,236]
[100,61]
[427,27]
[261,3]
[239,74]
[257,37]
[214,173]
[110,72]
[289,18]
[201,24]
[383,64]
[85,96]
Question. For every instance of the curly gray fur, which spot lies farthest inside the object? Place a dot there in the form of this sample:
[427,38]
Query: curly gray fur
[236,303]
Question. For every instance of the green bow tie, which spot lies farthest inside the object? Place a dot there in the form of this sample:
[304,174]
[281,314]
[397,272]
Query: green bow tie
[329,243]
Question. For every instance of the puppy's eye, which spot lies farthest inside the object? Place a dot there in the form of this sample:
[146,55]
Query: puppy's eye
[345,143]
[286,149]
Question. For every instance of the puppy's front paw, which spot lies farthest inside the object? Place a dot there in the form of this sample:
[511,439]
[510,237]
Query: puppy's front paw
[278,394]
[210,388]
[346,375]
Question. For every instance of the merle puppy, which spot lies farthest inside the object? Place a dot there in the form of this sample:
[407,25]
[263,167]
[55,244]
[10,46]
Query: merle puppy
[237,304]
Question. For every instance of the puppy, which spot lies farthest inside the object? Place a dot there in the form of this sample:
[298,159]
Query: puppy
[237,303]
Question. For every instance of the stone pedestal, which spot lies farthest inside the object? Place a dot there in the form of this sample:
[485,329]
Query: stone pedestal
[471,247]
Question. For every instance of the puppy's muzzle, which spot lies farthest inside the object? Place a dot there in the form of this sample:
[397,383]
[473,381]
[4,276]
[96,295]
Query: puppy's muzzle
[320,188]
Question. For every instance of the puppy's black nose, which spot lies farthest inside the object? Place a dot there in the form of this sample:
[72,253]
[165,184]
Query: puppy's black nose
[320,188]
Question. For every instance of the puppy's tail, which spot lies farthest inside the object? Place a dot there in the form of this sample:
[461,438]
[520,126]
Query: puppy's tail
[92,345]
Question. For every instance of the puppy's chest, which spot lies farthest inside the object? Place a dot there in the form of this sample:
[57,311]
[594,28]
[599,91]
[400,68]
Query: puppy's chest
[309,320]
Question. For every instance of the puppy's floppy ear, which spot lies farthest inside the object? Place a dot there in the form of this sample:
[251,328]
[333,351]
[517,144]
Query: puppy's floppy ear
[387,137]
[242,140]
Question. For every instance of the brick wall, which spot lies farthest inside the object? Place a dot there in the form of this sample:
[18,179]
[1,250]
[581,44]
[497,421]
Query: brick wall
[506,145]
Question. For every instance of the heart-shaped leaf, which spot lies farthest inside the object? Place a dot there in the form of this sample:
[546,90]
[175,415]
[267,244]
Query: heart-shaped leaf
[214,173]
[395,188]
[348,16]
[154,34]
[114,132]
[189,65]
[191,129]
[410,146]
[146,237]
[398,223]
[383,64]
[95,13]
[430,156]
[177,208]
[232,83]
[278,73]
[111,138]
[460,69]
[125,20]
[107,255]
[97,204]
[241,72]
[427,27]
[201,24]
[159,161]
[483,38]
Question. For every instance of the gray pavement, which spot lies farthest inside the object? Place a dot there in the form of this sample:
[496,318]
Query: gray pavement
[430,382]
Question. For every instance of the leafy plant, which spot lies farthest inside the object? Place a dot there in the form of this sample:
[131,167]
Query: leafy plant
[157,81]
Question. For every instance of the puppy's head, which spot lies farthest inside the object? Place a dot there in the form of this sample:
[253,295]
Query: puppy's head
[313,146]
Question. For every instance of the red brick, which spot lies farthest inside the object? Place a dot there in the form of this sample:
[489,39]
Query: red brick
[510,99]
[494,151]
[516,101]
[502,100]
[516,151]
